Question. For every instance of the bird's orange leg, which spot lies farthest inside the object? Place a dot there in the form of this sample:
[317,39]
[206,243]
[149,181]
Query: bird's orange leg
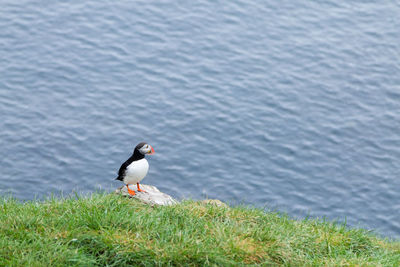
[131,192]
[138,188]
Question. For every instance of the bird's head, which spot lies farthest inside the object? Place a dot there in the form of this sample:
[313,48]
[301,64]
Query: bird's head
[145,148]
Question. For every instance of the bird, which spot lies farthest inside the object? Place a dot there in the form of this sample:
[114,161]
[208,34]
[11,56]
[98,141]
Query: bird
[134,169]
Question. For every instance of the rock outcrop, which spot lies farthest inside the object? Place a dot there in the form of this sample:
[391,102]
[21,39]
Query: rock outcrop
[152,196]
[215,202]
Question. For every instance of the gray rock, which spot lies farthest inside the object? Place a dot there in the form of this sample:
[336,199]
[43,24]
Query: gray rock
[215,202]
[152,196]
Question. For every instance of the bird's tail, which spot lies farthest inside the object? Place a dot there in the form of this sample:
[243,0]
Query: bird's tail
[119,178]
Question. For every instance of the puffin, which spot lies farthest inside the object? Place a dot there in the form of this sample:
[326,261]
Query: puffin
[134,169]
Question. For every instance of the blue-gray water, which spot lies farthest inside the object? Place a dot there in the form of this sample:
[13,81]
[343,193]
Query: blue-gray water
[292,105]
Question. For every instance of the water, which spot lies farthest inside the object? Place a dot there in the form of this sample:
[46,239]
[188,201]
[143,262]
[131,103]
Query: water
[290,105]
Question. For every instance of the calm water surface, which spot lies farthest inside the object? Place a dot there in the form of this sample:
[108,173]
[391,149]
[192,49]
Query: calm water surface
[291,105]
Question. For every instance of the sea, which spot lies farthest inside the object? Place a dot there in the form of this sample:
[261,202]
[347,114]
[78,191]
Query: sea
[289,106]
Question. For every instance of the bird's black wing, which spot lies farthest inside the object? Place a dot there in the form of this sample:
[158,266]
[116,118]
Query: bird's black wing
[121,172]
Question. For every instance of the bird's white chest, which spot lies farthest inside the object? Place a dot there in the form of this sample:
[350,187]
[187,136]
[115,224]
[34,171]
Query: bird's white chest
[136,171]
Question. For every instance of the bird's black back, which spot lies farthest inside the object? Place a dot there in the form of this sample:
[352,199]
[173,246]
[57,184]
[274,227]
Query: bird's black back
[135,156]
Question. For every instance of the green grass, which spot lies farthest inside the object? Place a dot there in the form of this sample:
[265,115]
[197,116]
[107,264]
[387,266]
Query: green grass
[109,230]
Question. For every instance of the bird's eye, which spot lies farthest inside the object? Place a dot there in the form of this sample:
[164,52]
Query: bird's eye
[147,146]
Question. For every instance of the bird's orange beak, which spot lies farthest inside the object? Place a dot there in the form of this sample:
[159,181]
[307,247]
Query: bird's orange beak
[152,151]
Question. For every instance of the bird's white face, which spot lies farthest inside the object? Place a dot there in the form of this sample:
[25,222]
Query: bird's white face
[147,149]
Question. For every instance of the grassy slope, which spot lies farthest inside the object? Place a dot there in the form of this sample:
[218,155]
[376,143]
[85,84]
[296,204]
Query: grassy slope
[111,230]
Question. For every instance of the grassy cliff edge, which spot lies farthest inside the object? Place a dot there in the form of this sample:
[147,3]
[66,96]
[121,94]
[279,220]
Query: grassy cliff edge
[107,229]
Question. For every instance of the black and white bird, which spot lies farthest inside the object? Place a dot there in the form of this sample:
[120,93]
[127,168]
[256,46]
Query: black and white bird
[136,167]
